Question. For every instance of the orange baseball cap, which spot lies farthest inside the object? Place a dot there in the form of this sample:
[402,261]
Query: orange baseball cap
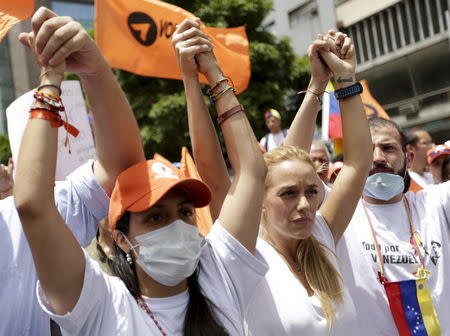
[145,183]
[437,151]
[335,169]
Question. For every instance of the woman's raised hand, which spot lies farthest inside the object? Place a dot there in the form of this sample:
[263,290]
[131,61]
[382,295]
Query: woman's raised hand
[58,39]
[188,42]
[339,57]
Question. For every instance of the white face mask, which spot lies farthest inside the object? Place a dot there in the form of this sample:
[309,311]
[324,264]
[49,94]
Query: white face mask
[169,254]
[384,186]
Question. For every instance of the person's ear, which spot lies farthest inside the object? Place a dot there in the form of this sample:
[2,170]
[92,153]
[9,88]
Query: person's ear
[121,241]
[409,158]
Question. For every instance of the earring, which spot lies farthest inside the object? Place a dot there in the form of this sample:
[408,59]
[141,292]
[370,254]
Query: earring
[129,260]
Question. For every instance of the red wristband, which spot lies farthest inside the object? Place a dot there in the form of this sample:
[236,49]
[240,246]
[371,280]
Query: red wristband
[55,120]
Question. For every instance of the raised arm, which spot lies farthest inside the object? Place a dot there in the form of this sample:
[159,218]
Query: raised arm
[301,132]
[205,143]
[241,211]
[56,253]
[118,144]
[340,205]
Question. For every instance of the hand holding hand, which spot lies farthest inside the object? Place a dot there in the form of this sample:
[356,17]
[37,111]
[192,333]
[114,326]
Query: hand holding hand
[59,39]
[320,73]
[188,42]
[340,58]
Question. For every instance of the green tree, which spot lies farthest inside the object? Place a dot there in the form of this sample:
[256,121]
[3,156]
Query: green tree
[5,150]
[159,104]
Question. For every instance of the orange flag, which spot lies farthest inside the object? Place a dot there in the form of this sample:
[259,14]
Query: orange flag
[135,35]
[371,106]
[12,12]
[203,217]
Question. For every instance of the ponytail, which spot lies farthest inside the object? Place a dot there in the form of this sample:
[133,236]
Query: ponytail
[321,275]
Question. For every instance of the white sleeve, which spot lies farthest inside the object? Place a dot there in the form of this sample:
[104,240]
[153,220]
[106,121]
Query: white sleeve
[436,196]
[238,268]
[322,232]
[82,203]
[97,296]
[263,141]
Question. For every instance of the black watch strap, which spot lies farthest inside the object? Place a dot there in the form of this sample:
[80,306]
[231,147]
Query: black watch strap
[349,91]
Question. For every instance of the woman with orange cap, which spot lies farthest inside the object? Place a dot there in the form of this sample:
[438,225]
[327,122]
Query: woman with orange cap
[169,280]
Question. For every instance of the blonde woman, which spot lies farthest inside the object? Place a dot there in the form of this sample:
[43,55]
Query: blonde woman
[303,293]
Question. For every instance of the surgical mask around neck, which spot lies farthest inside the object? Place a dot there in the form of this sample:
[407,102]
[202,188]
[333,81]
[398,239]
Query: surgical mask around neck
[169,254]
[384,186]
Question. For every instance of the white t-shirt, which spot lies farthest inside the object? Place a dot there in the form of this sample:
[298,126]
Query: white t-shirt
[81,203]
[228,276]
[273,140]
[357,255]
[282,306]
[424,180]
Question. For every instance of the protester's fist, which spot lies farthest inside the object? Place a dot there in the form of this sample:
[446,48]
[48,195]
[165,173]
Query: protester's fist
[59,39]
[189,41]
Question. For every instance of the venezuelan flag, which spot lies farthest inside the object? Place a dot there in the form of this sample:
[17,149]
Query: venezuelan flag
[331,115]
[412,308]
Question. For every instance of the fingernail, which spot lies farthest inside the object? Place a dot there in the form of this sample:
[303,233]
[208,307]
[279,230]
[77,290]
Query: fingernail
[51,62]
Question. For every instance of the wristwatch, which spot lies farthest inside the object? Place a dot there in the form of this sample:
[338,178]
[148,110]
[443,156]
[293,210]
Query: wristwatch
[349,91]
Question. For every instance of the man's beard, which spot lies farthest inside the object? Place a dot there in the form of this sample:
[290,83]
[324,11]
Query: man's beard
[385,168]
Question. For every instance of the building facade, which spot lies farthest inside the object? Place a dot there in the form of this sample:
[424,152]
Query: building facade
[402,51]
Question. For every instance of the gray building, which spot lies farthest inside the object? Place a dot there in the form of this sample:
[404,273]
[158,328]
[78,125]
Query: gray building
[402,51]
[19,70]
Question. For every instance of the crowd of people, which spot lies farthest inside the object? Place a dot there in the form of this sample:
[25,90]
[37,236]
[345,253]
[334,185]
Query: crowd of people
[299,246]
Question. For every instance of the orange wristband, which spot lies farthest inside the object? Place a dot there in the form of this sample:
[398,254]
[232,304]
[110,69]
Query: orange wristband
[55,120]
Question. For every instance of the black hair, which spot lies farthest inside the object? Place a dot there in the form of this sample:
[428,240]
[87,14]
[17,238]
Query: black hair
[200,319]
[338,158]
[412,137]
[101,253]
[377,123]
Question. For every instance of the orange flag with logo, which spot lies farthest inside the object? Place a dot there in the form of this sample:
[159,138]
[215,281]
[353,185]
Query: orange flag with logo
[12,12]
[371,106]
[135,35]
[203,217]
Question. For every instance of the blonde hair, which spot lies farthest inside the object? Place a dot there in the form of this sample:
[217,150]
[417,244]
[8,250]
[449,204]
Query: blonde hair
[320,273]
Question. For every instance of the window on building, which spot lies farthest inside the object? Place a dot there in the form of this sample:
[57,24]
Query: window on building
[81,12]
